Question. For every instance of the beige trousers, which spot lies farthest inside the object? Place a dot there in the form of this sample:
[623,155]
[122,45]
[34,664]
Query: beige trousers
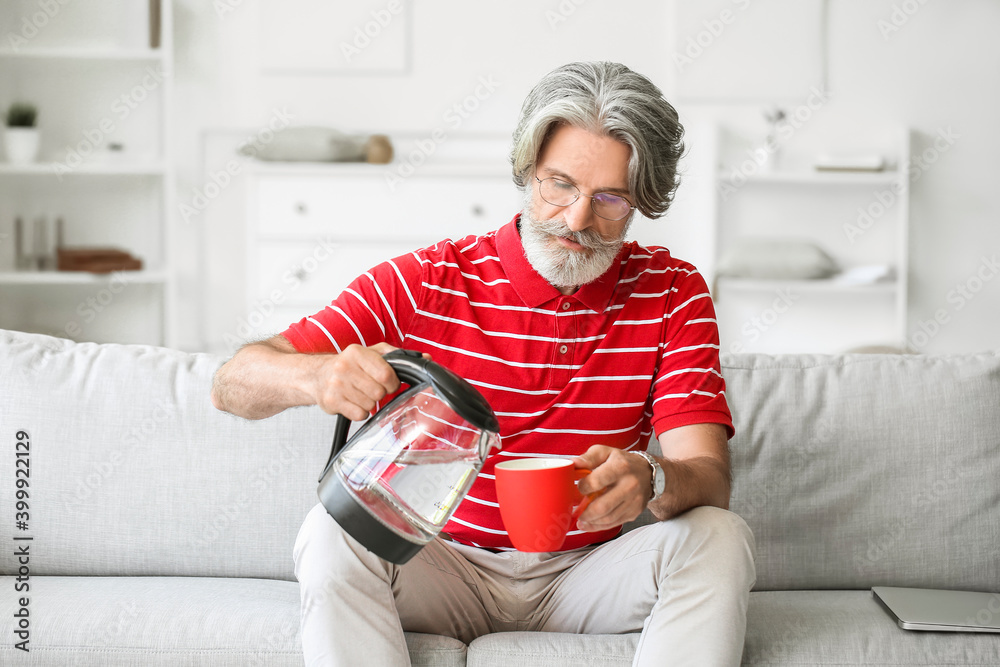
[684,583]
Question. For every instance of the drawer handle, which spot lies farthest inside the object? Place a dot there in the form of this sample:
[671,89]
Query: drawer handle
[301,208]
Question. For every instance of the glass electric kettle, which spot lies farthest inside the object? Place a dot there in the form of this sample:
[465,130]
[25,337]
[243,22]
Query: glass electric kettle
[399,479]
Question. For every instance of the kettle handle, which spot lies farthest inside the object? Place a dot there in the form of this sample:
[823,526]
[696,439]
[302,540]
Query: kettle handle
[410,367]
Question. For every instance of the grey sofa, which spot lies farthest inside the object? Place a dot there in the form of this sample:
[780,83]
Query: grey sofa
[161,530]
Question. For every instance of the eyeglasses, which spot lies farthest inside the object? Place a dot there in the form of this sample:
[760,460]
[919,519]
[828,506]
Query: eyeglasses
[560,193]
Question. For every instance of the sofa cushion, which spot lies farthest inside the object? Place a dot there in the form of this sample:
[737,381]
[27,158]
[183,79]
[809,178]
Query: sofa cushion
[133,472]
[849,628]
[783,628]
[189,621]
[862,470]
[552,649]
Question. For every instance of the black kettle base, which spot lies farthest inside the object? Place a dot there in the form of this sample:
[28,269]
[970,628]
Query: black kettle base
[359,523]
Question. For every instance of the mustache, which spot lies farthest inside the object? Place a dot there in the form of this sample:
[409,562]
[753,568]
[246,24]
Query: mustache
[588,238]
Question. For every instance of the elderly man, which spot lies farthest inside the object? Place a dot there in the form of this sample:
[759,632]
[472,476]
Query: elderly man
[584,345]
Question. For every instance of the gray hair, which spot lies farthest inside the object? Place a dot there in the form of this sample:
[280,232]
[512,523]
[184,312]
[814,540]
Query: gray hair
[611,100]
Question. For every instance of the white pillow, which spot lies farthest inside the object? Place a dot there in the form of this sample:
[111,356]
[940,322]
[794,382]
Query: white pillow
[779,259]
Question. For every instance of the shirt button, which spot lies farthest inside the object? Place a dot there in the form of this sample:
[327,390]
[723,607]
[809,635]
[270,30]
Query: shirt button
[565,305]
[563,349]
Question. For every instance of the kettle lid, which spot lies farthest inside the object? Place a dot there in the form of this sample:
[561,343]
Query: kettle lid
[462,397]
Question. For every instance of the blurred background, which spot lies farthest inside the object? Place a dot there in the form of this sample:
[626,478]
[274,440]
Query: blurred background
[198,174]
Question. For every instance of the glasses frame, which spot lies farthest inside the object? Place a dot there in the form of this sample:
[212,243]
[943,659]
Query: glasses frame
[580,194]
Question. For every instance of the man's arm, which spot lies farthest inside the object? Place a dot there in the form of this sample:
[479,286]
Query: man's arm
[264,378]
[695,462]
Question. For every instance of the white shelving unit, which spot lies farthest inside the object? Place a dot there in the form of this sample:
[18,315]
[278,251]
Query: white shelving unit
[858,218]
[313,228]
[95,79]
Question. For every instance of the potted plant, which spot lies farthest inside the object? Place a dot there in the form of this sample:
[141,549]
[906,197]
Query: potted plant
[20,134]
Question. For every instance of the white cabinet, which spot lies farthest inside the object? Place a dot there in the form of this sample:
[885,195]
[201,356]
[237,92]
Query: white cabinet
[312,229]
[859,218]
[102,86]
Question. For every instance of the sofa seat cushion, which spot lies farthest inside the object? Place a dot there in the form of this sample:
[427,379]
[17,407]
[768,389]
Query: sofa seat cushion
[188,621]
[849,628]
[783,628]
[552,649]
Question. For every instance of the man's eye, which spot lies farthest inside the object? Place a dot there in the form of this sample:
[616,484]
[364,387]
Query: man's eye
[562,185]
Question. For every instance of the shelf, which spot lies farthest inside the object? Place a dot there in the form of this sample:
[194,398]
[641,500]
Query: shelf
[812,178]
[87,169]
[348,169]
[829,285]
[83,53]
[144,277]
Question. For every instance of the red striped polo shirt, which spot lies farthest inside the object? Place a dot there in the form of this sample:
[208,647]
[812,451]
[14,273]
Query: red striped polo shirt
[635,351]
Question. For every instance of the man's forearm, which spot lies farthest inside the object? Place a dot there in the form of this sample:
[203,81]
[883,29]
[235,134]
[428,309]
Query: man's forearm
[703,480]
[261,380]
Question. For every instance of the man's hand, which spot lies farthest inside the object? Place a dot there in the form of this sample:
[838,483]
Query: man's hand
[352,382]
[695,463]
[623,481]
[264,378]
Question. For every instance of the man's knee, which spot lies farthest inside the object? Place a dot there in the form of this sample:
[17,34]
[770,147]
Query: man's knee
[720,525]
[714,537]
[323,550]
[724,535]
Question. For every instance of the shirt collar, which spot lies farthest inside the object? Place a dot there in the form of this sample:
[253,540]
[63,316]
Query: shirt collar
[534,290]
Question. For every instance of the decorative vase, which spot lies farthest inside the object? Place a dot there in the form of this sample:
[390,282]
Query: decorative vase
[21,144]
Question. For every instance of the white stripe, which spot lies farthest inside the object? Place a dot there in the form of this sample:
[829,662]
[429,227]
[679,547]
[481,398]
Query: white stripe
[385,303]
[690,347]
[609,378]
[406,287]
[704,295]
[528,392]
[473,244]
[703,393]
[708,320]
[637,295]
[364,303]
[480,501]
[503,334]
[472,525]
[688,370]
[695,391]
[655,320]
[476,355]
[655,271]
[585,406]
[611,350]
[638,256]
[520,309]
[351,322]
[470,276]
[575,431]
[323,329]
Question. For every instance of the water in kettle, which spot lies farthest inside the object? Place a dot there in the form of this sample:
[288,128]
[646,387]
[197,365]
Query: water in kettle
[414,494]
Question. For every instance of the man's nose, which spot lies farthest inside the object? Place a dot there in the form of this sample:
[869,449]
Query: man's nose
[579,215]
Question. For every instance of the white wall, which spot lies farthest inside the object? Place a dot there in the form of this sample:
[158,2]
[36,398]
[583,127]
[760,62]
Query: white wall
[937,71]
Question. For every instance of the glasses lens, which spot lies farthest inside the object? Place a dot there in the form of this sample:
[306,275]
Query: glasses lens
[558,193]
[610,207]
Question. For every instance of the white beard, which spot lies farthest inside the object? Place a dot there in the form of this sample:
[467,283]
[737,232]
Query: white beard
[564,267]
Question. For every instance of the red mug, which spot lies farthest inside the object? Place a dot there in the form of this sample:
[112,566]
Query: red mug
[539,501]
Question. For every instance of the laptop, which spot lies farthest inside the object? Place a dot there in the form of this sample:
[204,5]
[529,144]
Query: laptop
[940,611]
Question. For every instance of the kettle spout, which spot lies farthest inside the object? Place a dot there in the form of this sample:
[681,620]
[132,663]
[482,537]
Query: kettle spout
[487,443]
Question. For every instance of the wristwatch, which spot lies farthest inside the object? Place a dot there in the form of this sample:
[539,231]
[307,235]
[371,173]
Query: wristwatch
[657,478]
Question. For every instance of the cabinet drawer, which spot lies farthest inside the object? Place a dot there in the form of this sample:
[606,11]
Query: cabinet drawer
[314,273]
[367,208]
